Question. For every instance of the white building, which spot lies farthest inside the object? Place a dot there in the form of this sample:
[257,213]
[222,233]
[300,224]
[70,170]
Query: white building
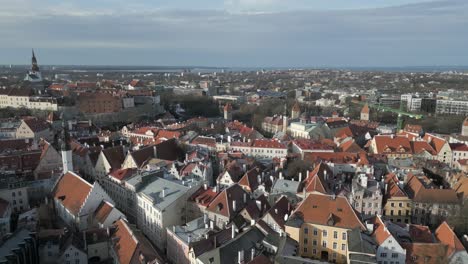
[389,250]
[453,107]
[161,204]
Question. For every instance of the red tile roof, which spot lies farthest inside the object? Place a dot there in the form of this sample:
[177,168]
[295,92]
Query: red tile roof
[380,233]
[445,235]
[203,197]
[122,174]
[420,234]
[206,141]
[365,109]
[125,245]
[316,181]
[72,191]
[425,253]
[419,193]
[329,210]
[306,144]
[392,144]
[103,211]
[36,124]
[296,107]
[223,203]
[250,180]
[278,211]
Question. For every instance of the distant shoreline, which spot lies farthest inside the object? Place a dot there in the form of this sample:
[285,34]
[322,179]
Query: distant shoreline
[162,69]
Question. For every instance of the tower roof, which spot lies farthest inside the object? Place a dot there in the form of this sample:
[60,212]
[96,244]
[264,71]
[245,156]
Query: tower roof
[228,107]
[296,107]
[365,109]
[34,66]
[65,144]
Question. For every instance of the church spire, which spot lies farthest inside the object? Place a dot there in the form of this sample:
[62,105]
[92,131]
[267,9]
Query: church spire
[34,66]
[67,158]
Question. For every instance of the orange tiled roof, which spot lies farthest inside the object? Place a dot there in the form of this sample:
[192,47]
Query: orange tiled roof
[72,191]
[365,109]
[380,233]
[419,193]
[223,203]
[103,211]
[125,243]
[447,237]
[328,210]
[425,253]
[392,144]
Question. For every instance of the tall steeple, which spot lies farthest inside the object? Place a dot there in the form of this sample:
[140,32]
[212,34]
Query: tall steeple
[285,118]
[67,159]
[34,66]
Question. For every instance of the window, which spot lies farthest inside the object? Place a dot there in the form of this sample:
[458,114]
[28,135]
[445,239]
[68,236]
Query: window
[315,231]
[314,251]
[67,255]
[343,246]
[306,241]
[324,244]
[344,236]
[306,230]
[305,250]
[335,234]
[314,242]
[324,233]
[335,245]
[394,255]
[383,255]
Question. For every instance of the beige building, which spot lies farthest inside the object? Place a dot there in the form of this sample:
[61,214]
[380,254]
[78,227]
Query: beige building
[320,225]
[397,205]
[24,98]
[31,127]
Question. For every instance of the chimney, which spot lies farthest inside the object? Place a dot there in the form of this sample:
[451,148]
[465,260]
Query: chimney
[205,218]
[245,198]
[155,152]
[300,176]
[244,166]
[211,224]
[259,205]
[234,207]
[233,231]
[205,186]
[163,193]
[252,253]
[240,256]
[252,222]
[189,239]
[281,175]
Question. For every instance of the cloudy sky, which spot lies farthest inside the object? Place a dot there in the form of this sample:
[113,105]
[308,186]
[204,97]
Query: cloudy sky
[242,33]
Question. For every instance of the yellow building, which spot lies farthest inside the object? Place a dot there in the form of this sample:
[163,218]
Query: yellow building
[397,204]
[320,225]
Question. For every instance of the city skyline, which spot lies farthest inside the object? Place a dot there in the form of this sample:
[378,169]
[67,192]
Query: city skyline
[237,33]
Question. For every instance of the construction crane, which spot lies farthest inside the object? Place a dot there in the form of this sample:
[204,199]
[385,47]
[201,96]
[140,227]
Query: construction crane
[400,112]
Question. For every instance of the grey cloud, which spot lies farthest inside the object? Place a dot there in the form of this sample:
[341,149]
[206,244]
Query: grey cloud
[430,33]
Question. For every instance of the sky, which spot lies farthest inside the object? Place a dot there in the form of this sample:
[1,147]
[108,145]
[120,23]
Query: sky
[236,33]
